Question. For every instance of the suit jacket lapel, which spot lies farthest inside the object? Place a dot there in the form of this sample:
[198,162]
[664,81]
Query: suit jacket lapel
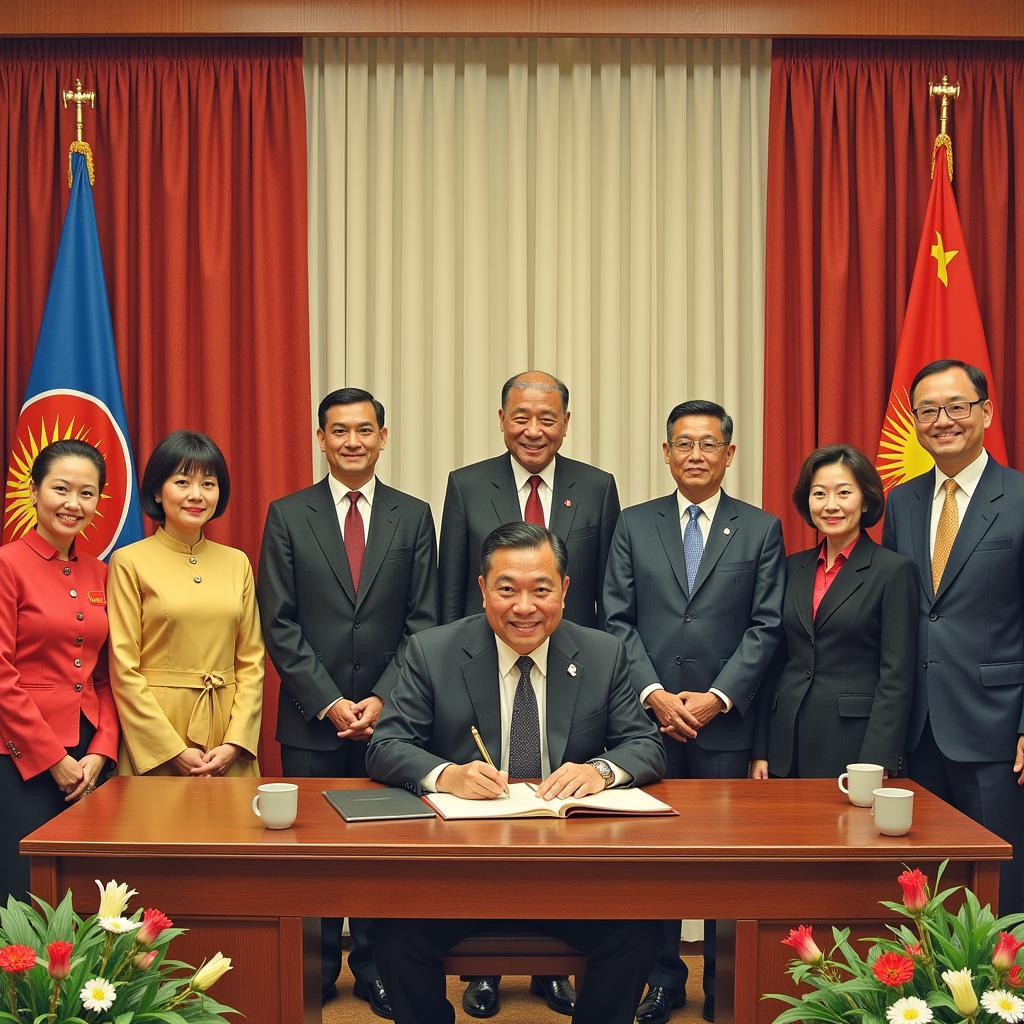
[672,539]
[723,529]
[383,523]
[323,521]
[562,689]
[849,579]
[977,522]
[563,500]
[480,674]
[802,582]
[920,525]
[503,492]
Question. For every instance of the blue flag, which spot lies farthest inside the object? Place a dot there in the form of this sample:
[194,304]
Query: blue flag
[74,388]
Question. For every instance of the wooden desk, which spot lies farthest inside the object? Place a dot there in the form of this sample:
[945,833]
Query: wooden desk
[766,855]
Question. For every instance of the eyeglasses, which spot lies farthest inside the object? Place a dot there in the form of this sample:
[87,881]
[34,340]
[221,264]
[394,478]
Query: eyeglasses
[684,445]
[925,414]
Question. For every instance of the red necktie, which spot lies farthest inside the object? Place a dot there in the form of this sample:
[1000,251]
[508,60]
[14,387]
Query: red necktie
[534,509]
[355,538]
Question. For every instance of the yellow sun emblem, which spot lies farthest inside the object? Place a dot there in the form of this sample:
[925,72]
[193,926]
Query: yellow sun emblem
[900,455]
[19,510]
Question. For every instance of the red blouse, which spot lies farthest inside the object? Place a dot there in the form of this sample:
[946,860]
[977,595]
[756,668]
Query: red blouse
[823,577]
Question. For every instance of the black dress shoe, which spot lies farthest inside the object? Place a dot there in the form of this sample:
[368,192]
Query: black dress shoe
[557,992]
[708,1013]
[481,997]
[374,993]
[658,1004]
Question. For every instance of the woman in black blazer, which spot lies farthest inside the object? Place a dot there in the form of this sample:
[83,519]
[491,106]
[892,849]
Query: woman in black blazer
[840,687]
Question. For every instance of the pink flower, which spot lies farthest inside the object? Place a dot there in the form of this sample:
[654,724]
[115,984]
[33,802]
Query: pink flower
[15,959]
[804,945]
[915,890]
[153,923]
[893,969]
[1006,951]
[60,959]
[143,961]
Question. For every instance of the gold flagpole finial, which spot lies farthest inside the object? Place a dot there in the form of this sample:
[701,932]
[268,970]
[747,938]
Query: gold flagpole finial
[946,93]
[80,98]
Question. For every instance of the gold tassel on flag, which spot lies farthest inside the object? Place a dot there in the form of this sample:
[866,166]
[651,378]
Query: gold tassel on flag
[78,97]
[946,92]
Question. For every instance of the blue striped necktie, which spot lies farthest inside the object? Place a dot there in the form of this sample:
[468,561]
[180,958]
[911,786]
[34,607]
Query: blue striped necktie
[693,545]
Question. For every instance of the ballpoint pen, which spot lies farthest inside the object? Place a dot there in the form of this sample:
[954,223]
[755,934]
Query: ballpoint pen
[478,740]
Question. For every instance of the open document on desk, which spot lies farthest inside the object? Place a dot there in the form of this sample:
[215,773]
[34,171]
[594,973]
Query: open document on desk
[523,802]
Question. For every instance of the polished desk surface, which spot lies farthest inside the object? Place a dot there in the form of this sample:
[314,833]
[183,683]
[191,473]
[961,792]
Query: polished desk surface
[785,819]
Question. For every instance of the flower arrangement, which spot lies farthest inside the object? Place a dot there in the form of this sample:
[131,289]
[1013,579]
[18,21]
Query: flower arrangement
[56,968]
[940,967]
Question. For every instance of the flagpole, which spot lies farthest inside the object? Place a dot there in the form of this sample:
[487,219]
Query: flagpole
[80,98]
[946,93]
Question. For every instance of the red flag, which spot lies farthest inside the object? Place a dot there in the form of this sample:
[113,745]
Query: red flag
[942,321]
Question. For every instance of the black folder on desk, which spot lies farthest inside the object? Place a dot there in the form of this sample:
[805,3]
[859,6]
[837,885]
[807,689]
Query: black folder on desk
[377,804]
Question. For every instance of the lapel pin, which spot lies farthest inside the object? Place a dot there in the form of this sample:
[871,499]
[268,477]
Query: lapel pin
[571,670]
[567,503]
[727,531]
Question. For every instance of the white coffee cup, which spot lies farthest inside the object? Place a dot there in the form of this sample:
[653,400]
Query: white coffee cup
[276,804]
[861,782]
[893,810]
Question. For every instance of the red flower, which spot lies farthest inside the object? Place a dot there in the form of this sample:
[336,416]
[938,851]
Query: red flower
[806,949]
[60,959]
[893,969]
[153,923]
[1015,979]
[914,950]
[15,959]
[1006,951]
[915,890]
[143,961]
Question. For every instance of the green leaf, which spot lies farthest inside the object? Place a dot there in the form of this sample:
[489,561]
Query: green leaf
[124,1018]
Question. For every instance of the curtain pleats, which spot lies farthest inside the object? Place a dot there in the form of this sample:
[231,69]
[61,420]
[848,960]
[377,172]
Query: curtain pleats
[594,208]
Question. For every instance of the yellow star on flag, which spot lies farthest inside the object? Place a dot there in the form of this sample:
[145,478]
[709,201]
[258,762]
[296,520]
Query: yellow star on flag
[942,258]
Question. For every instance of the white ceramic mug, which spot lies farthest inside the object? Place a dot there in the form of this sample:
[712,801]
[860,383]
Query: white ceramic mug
[893,810]
[861,782]
[276,804]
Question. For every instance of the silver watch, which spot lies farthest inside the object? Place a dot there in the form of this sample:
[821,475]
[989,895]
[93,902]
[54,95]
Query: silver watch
[603,768]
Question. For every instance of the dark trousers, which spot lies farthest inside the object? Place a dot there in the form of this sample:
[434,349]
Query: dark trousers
[986,791]
[689,761]
[619,957]
[347,762]
[28,804]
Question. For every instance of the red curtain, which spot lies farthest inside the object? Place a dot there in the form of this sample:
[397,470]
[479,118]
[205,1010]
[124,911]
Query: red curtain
[850,129]
[200,151]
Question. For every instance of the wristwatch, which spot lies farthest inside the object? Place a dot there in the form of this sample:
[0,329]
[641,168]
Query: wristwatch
[604,769]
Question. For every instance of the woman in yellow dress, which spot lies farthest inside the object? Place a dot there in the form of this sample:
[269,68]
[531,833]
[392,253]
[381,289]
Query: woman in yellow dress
[186,653]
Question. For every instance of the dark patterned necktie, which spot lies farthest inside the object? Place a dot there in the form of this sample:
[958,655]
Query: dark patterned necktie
[524,729]
[355,538]
[693,546]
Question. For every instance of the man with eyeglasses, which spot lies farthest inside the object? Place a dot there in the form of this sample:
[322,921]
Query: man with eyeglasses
[694,588]
[963,523]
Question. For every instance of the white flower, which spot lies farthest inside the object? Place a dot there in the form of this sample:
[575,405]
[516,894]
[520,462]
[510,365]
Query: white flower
[962,989]
[118,925]
[98,994]
[218,966]
[113,898]
[909,1009]
[1005,1005]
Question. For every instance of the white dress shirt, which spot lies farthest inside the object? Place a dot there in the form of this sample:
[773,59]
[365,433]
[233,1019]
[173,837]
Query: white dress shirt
[966,484]
[545,490]
[340,493]
[508,681]
[708,508]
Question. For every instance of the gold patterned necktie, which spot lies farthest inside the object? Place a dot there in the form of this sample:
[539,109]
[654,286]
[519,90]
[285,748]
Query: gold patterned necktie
[949,523]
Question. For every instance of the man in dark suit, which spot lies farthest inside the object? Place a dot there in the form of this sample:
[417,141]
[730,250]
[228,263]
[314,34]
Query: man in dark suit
[963,524]
[551,700]
[347,574]
[694,588]
[530,483]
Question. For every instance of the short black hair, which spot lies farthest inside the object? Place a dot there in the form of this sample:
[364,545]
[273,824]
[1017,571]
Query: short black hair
[864,473]
[522,535]
[47,456]
[348,396]
[555,385]
[700,407]
[183,451]
[977,378]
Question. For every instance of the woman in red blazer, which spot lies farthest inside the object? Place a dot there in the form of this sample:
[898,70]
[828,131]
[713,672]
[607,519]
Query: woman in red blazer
[58,726]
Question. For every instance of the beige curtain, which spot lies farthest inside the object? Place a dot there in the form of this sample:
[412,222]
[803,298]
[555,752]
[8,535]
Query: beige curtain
[590,207]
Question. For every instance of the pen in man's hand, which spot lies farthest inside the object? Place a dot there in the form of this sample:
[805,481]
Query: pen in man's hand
[478,740]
